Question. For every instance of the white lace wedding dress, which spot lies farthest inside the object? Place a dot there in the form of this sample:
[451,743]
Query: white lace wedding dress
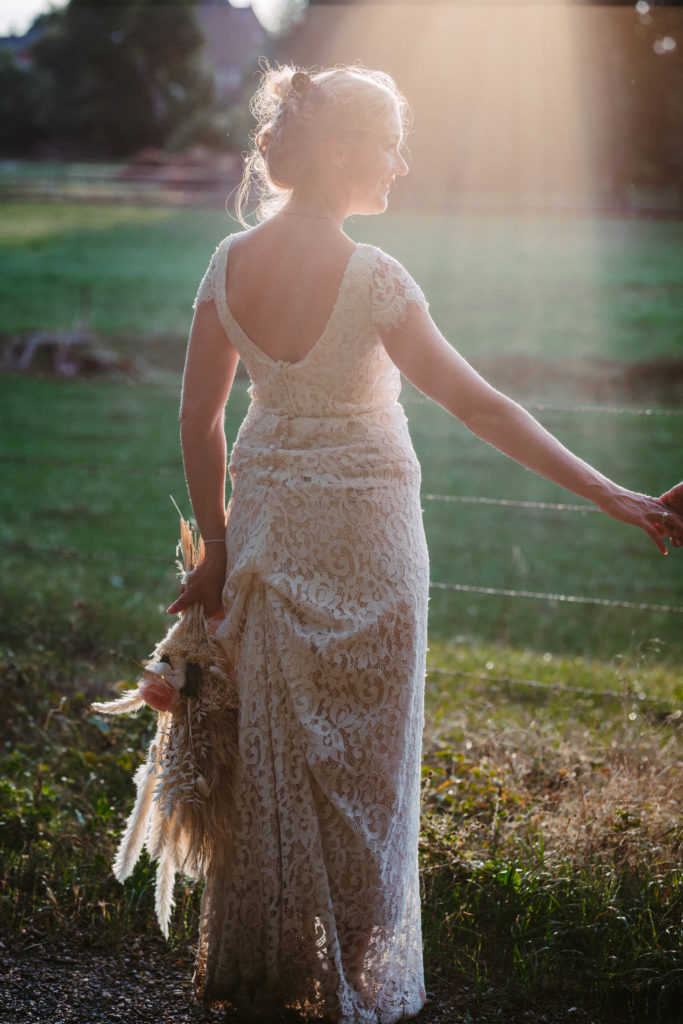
[315,906]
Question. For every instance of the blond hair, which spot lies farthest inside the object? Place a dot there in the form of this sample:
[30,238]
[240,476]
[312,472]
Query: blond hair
[294,109]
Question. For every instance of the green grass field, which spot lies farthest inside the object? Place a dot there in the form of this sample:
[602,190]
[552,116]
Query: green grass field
[551,843]
[561,286]
[134,272]
[89,467]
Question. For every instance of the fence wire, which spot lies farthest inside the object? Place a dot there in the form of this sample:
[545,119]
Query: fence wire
[603,410]
[92,467]
[168,471]
[464,588]
[535,684]
[87,556]
[510,503]
[598,410]
[568,598]
[543,506]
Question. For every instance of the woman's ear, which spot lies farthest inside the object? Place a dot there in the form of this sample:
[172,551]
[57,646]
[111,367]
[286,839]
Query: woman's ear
[337,151]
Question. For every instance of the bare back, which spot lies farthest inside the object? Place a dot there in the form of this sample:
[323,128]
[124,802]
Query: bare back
[282,282]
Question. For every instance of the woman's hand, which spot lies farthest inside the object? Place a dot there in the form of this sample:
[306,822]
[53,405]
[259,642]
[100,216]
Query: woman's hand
[204,584]
[673,499]
[653,515]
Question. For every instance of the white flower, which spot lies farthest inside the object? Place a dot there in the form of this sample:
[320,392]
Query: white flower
[175,677]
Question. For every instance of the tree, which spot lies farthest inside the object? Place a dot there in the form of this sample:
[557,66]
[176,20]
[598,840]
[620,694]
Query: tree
[633,84]
[123,76]
[23,94]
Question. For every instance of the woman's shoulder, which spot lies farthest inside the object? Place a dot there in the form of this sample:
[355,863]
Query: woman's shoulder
[211,282]
[391,286]
[221,250]
[225,242]
[386,268]
[373,254]
[383,264]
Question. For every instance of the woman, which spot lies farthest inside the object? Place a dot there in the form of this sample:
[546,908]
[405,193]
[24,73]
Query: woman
[319,565]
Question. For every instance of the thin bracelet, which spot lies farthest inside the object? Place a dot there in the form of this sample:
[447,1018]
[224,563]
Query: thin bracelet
[214,540]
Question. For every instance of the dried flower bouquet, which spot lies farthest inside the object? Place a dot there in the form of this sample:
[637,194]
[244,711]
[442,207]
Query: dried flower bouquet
[181,813]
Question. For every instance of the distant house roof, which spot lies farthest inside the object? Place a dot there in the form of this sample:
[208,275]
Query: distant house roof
[21,45]
[235,39]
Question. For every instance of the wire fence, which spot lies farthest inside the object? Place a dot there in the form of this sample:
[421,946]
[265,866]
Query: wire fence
[415,398]
[455,587]
[510,503]
[604,410]
[627,697]
[18,547]
[465,588]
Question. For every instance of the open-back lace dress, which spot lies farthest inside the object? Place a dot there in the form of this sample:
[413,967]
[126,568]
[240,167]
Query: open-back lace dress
[315,906]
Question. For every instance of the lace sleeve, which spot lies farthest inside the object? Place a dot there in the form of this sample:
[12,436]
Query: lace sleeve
[208,284]
[392,289]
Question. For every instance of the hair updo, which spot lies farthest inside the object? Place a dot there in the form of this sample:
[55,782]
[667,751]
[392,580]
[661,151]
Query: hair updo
[294,110]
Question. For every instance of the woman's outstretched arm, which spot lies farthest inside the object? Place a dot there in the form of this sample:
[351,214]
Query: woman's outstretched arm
[209,372]
[423,355]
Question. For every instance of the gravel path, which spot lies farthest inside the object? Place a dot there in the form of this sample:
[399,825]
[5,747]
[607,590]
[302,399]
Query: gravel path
[52,985]
[59,989]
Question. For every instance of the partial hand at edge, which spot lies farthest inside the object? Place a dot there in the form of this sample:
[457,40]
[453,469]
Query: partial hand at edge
[204,585]
[673,499]
[651,514]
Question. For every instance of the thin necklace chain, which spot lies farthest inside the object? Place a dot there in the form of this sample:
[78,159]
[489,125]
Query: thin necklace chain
[312,216]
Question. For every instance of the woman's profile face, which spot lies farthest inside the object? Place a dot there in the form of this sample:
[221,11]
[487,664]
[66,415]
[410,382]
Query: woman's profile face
[373,163]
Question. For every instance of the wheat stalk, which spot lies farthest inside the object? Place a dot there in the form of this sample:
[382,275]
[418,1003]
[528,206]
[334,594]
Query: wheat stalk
[181,812]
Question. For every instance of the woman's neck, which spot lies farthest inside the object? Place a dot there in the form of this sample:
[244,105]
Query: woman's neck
[309,215]
[315,205]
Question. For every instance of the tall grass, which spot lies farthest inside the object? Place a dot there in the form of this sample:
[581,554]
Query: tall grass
[552,850]
[550,847]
